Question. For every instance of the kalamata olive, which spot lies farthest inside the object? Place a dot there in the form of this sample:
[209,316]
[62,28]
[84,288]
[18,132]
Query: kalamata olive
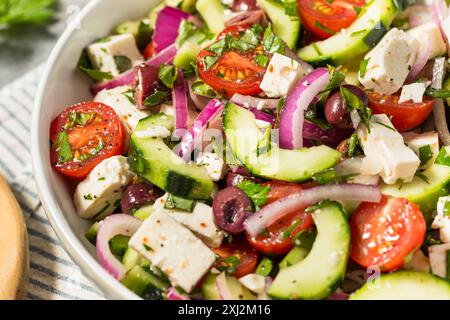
[138,195]
[231,206]
[335,110]
[244,5]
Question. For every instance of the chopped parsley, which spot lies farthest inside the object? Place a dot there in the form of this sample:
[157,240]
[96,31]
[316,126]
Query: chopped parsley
[324,28]
[354,149]
[423,177]
[88,197]
[123,63]
[156,98]
[148,248]
[425,154]
[256,192]
[265,267]
[203,89]
[272,43]
[289,231]
[443,158]
[174,202]
[77,118]
[336,79]
[353,102]
[228,264]
[438,93]
[262,60]
[385,125]
[129,94]
[363,67]
[85,65]
[168,75]
[63,148]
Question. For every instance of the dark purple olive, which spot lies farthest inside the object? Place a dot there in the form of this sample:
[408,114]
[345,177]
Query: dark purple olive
[138,195]
[244,5]
[231,206]
[335,111]
[233,179]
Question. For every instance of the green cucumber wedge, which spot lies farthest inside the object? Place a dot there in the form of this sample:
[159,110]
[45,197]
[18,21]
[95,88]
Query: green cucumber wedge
[367,30]
[320,273]
[155,162]
[244,137]
[404,285]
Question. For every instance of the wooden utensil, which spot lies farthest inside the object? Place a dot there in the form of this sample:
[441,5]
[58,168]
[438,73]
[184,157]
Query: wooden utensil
[14,263]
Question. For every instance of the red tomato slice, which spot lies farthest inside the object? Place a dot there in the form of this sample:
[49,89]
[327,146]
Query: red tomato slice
[239,256]
[384,233]
[91,140]
[278,237]
[324,18]
[234,72]
[149,51]
[405,116]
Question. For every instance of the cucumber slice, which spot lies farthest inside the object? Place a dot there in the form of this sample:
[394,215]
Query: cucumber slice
[320,273]
[144,212]
[212,12]
[143,283]
[404,285]
[359,38]
[119,245]
[132,258]
[189,51]
[294,256]
[155,162]
[284,26]
[209,288]
[243,136]
[91,234]
[425,195]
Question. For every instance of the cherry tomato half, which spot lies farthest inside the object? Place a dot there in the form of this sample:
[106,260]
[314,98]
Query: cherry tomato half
[405,116]
[234,71]
[238,257]
[149,51]
[324,18]
[384,233]
[277,239]
[84,135]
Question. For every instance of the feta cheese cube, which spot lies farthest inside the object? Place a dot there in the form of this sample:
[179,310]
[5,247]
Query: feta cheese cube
[114,53]
[419,263]
[254,282]
[214,165]
[96,196]
[281,75]
[174,249]
[442,219]
[118,99]
[431,31]
[200,221]
[389,62]
[386,152]
[413,92]
[438,259]
[416,141]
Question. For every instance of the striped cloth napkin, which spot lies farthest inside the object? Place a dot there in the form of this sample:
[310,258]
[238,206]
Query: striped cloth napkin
[53,275]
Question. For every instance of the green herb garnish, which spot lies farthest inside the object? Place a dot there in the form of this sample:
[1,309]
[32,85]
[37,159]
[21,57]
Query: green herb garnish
[156,98]
[363,67]
[443,158]
[425,154]
[174,202]
[256,192]
[168,75]
[123,63]
[63,148]
[353,102]
[265,267]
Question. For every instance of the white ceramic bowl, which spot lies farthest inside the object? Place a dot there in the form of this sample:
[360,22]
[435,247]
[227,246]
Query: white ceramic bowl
[62,85]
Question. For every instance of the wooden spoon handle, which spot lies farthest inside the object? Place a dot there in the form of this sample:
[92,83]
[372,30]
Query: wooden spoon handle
[14,262]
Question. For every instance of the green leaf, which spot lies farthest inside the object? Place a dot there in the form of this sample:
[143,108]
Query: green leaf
[156,98]
[123,63]
[272,43]
[438,93]
[262,60]
[63,148]
[77,118]
[354,149]
[203,89]
[329,176]
[265,267]
[324,28]
[425,154]
[174,202]
[210,61]
[311,116]
[129,94]
[186,30]
[423,177]
[353,102]
[256,192]
[168,75]
[336,79]
[18,12]
[84,64]
[443,158]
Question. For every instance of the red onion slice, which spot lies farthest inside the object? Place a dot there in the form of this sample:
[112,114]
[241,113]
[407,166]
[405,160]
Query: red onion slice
[180,104]
[174,295]
[223,287]
[292,115]
[421,60]
[127,77]
[252,102]
[194,134]
[166,27]
[299,201]
[439,11]
[263,116]
[441,122]
[117,224]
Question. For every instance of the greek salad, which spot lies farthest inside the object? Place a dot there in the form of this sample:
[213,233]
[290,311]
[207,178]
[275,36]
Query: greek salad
[267,149]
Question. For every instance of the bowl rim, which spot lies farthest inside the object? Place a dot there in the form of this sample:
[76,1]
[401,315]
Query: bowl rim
[89,266]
